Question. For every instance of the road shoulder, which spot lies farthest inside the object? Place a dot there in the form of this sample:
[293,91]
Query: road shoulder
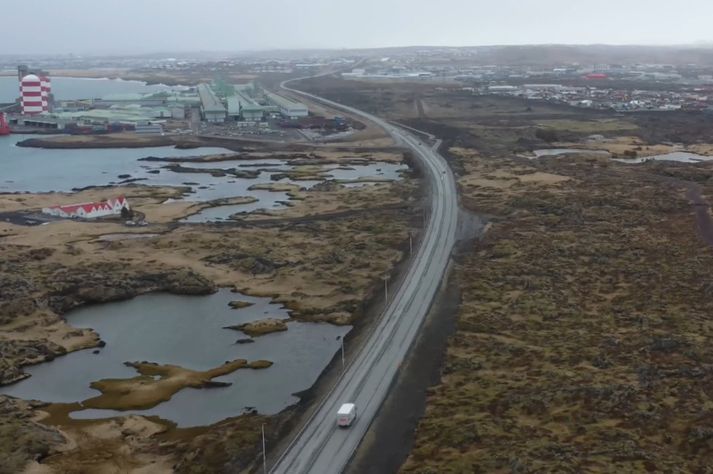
[389,439]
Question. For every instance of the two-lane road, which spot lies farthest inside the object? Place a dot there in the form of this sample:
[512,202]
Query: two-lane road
[321,447]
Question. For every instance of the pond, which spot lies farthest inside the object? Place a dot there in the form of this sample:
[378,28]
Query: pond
[38,170]
[188,331]
[679,156]
[74,88]
[350,176]
[567,151]
[44,170]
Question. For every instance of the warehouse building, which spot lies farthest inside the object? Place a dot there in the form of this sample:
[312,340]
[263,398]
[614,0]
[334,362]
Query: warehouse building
[129,114]
[287,107]
[212,108]
[128,98]
[149,128]
[243,108]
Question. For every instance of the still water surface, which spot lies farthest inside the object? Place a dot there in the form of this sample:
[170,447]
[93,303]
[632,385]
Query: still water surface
[170,329]
[73,88]
[188,331]
[43,170]
[679,156]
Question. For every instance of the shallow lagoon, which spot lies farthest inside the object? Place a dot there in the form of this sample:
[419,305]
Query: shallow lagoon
[188,331]
[44,170]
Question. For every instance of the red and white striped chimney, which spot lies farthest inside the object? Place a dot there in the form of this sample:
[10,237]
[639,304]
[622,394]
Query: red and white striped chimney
[46,86]
[31,95]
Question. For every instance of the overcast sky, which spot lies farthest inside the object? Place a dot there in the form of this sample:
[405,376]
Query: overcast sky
[125,26]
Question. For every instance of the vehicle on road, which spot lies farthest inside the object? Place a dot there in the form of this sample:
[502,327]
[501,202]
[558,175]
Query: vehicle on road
[318,446]
[346,415]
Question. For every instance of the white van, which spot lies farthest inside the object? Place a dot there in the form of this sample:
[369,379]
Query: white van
[346,415]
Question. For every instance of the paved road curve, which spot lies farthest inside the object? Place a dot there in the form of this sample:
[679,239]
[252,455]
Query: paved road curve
[321,447]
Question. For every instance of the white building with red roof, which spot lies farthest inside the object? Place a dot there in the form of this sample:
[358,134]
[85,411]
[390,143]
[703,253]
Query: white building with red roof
[89,210]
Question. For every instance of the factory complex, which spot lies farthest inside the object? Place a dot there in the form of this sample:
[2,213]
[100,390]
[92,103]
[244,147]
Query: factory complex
[247,105]
[112,113]
[212,109]
[241,106]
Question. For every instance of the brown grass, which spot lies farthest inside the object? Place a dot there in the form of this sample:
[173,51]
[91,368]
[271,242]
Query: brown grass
[581,342]
[157,384]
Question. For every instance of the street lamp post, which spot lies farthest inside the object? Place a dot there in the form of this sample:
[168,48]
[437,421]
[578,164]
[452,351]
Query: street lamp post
[341,339]
[264,455]
[386,288]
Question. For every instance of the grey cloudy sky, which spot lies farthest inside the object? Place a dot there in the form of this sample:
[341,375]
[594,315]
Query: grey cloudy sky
[84,26]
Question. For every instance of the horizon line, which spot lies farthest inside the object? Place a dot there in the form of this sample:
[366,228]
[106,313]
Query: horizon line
[107,54]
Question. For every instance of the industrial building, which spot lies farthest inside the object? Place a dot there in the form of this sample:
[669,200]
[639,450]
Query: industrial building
[244,108]
[287,107]
[149,100]
[143,113]
[246,103]
[148,128]
[212,108]
[113,112]
[35,90]
[178,112]
[35,94]
[31,95]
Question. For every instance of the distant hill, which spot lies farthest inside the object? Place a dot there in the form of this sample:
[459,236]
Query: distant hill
[700,54]
[589,54]
[547,54]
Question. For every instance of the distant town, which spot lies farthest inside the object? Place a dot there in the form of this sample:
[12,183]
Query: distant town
[206,99]
[600,86]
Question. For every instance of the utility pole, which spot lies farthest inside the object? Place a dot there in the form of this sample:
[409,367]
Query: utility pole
[264,456]
[386,289]
[410,243]
[342,340]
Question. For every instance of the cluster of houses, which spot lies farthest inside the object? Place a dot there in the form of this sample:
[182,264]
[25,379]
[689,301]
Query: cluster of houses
[607,98]
[89,210]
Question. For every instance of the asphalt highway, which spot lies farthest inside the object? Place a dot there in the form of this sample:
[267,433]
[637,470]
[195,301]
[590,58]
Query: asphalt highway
[321,447]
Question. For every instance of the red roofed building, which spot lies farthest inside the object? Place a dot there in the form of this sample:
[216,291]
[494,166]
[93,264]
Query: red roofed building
[89,210]
[596,75]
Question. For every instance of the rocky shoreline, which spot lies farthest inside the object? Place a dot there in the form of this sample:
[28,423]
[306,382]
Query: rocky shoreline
[130,140]
[51,270]
[107,141]
[22,438]
[158,383]
[262,327]
[110,282]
